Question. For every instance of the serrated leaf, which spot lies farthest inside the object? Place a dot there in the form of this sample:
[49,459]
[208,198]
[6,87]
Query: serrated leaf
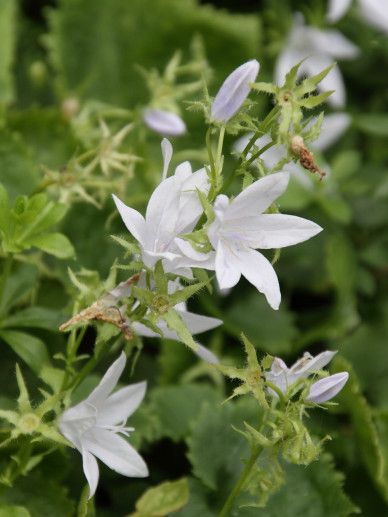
[313,491]
[177,407]
[176,324]
[315,100]
[213,459]
[163,499]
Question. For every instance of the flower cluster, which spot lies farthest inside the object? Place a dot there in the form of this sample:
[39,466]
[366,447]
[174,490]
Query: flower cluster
[191,225]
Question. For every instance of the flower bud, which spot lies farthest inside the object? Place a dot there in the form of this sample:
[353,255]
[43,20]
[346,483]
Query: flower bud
[327,388]
[234,90]
[164,122]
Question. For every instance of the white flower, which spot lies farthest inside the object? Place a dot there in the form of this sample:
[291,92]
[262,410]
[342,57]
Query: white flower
[283,377]
[327,388]
[234,90]
[173,209]
[319,49]
[240,227]
[164,122]
[375,12]
[196,323]
[93,427]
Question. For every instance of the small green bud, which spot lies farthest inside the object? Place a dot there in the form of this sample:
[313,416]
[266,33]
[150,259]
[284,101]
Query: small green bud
[28,423]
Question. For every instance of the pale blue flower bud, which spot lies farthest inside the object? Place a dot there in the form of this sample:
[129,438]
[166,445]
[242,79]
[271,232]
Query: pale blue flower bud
[234,90]
[164,122]
[327,388]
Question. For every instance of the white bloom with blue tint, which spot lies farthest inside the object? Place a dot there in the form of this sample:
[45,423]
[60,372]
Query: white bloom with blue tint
[173,209]
[240,227]
[327,388]
[164,122]
[93,426]
[234,90]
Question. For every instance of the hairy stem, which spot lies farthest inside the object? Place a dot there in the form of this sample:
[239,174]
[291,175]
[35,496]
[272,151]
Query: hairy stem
[226,509]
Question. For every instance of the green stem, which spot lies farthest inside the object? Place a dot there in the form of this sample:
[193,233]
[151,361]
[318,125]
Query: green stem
[262,128]
[226,509]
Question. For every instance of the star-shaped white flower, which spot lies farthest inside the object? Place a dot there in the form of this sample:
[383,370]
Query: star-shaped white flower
[375,12]
[196,323]
[173,209]
[322,390]
[319,49]
[93,427]
[240,227]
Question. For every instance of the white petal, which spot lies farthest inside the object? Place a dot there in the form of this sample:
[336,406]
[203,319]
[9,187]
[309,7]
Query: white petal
[119,406]
[375,12]
[115,452]
[107,383]
[259,272]
[234,91]
[259,196]
[268,231]
[333,126]
[336,9]
[309,364]
[190,208]
[187,249]
[91,472]
[164,122]
[162,214]
[167,155]
[132,219]
[197,323]
[333,43]
[227,267]
[327,388]
[75,420]
[206,355]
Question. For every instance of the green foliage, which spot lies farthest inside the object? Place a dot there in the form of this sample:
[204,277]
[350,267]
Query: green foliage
[8,38]
[26,225]
[163,499]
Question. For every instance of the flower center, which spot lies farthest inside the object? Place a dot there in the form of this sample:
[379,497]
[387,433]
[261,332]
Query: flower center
[28,423]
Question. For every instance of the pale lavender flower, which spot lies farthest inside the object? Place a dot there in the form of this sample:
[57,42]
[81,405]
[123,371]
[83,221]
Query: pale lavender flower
[375,12]
[240,227]
[93,427]
[327,388]
[234,90]
[164,122]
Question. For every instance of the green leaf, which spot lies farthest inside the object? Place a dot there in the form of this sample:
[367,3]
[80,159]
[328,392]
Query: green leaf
[369,445]
[341,263]
[73,39]
[40,495]
[55,244]
[177,407]
[30,348]
[310,84]
[167,497]
[8,39]
[218,462]
[273,331]
[19,172]
[375,124]
[315,100]
[187,292]
[34,317]
[176,323]
[14,511]
[313,491]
